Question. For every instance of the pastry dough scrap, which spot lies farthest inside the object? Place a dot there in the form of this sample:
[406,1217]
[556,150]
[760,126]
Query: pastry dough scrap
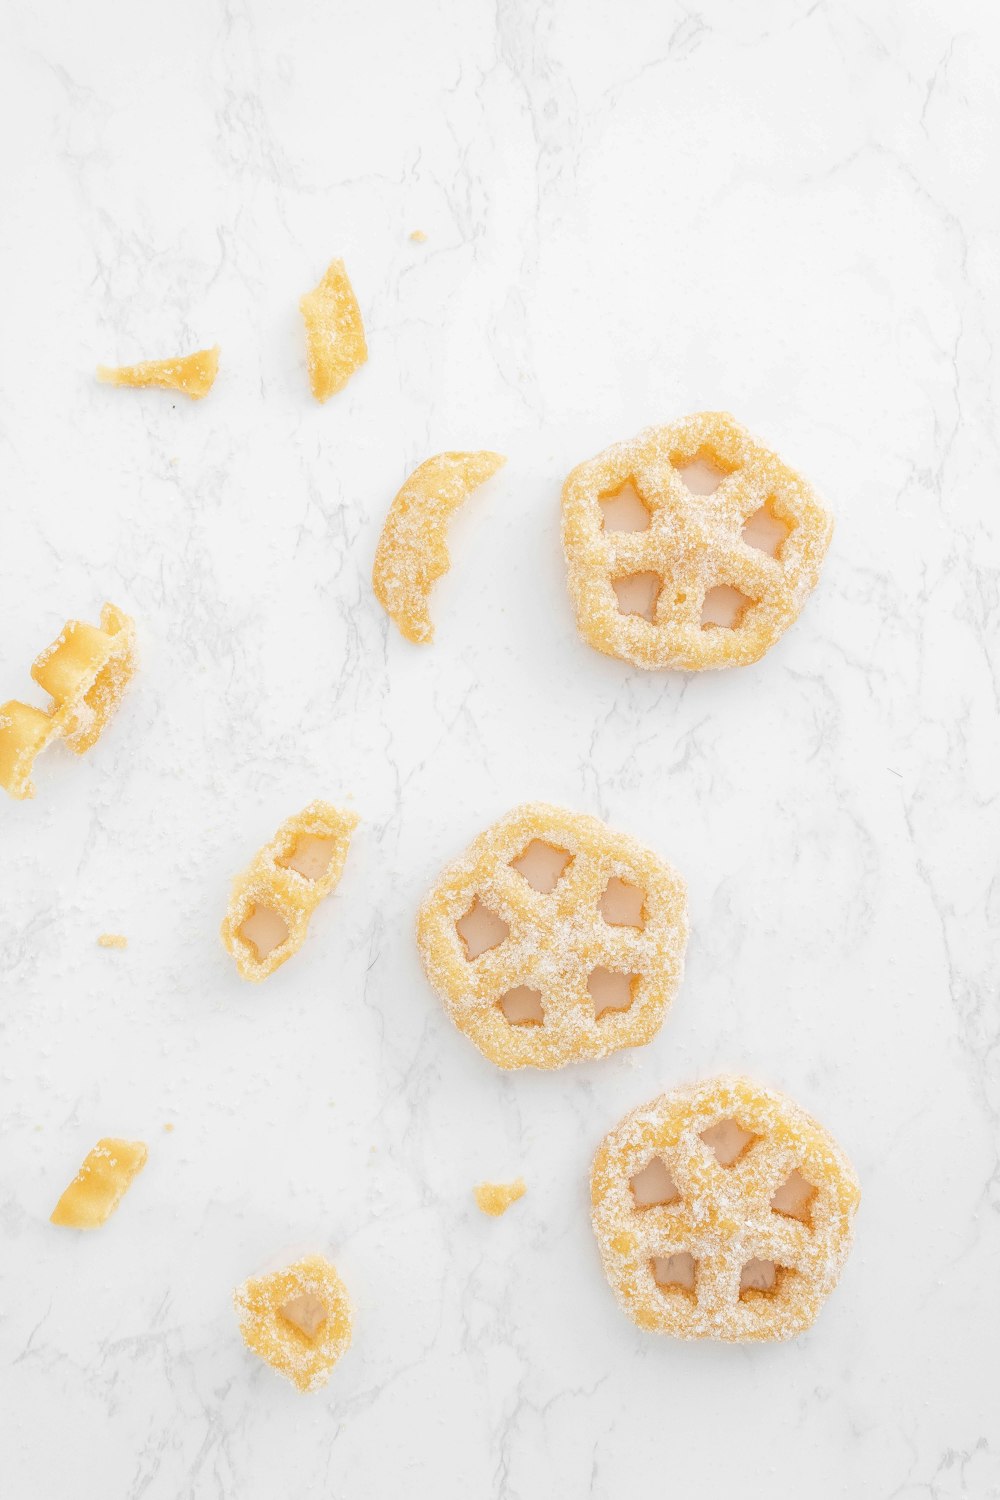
[752,1223]
[494,1198]
[335,334]
[297,1320]
[85,672]
[553,980]
[286,880]
[112,940]
[412,552]
[97,1189]
[651,594]
[192,374]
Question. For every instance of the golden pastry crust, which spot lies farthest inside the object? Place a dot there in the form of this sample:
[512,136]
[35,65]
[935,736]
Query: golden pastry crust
[335,334]
[192,374]
[494,1198]
[305,1342]
[693,543]
[557,941]
[412,552]
[714,1233]
[269,882]
[85,672]
[97,1189]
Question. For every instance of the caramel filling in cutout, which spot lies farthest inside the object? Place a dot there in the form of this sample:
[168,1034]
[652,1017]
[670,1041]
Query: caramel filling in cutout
[623,905]
[265,929]
[305,1312]
[766,531]
[675,1272]
[523,1006]
[310,856]
[625,510]
[728,1140]
[637,594]
[610,990]
[723,608]
[794,1198]
[480,930]
[702,474]
[542,866]
[653,1185]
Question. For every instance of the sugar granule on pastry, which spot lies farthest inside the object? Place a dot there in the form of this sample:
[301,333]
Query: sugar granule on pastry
[274,898]
[85,673]
[298,1320]
[494,1198]
[722,1211]
[554,938]
[192,374]
[97,1189]
[335,334]
[690,546]
[412,550]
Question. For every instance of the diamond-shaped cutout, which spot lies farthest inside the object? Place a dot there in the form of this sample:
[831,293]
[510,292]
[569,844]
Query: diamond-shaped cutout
[310,856]
[653,1185]
[480,930]
[265,929]
[623,905]
[728,1140]
[610,991]
[761,1278]
[625,510]
[542,865]
[522,1006]
[701,474]
[765,531]
[637,594]
[794,1198]
[306,1312]
[723,608]
[675,1272]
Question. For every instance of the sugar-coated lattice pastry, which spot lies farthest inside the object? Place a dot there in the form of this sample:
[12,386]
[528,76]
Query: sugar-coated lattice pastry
[192,374]
[275,896]
[722,1211]
[298,1320]
[412,552]
[97,1189]
[690,546]
[553,939]
[335,334]
[85,673]
[494,1198]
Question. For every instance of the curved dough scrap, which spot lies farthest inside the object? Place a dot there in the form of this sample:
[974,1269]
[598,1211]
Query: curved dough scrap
[298,1320]
[193,374]
[692,546]
[335,334]
[494,1198]
[749,1238]
[287,891]
[97,1189]
[85,672]
[412,552]
[554,942]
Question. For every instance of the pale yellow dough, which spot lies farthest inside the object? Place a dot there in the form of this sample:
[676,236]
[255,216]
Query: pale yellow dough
[494,1198]
[335,334]
[97,1189]
[192,374]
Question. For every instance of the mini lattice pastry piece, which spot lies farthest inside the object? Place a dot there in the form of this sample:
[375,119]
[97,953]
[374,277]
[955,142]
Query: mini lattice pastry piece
[85,673]
[723,1211]
[335,334]
[101,1183]
[192,374]
[298,1320]
[534,951]
[691,546]
[494,1198]
[412,552]
[274,898]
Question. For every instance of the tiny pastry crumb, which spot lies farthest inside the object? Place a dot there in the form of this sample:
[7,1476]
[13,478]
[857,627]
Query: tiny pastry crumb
[494,1198]
[418,237]
[169,1126]
[112,940]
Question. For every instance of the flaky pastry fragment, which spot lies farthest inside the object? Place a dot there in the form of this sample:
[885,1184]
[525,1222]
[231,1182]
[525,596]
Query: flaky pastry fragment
[335,334]
[192,374]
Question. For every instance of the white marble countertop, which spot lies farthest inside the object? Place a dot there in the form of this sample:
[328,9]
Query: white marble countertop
[631,212]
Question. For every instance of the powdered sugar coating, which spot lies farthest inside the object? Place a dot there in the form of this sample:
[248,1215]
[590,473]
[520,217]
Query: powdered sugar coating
[305,1361]
[693,544]
[722,1216]
[556,940]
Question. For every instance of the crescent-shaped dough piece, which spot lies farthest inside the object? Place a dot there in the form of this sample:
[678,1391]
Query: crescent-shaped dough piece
[335,334]
[194,374]
[412,552]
